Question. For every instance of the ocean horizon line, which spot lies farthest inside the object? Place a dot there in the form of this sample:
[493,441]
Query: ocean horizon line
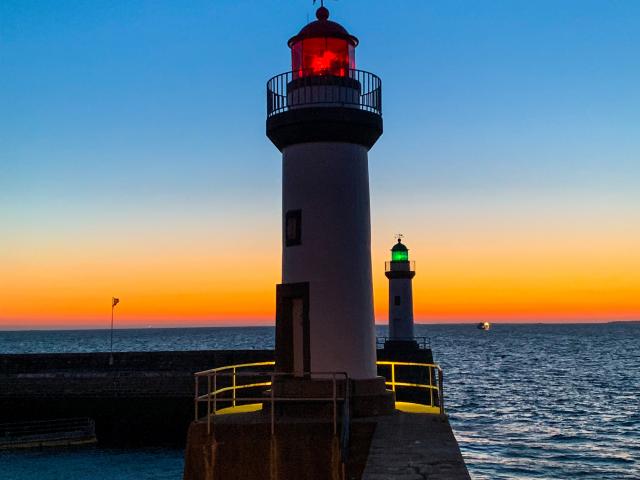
[69,328]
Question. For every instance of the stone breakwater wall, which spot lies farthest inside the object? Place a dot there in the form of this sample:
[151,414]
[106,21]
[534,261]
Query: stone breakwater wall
[144,398]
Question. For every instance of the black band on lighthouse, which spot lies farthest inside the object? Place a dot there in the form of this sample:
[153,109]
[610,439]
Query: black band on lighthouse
[400,274]
[324,124]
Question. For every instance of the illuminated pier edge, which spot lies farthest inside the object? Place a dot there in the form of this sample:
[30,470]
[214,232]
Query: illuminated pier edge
[241,388]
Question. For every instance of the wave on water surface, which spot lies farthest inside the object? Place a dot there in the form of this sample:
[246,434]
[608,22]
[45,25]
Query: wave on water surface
[525,401]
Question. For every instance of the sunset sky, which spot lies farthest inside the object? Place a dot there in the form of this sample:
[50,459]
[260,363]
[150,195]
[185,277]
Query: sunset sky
[134,161]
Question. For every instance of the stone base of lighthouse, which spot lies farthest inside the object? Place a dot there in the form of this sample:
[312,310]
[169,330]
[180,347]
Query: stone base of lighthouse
[368,398]
[393,447]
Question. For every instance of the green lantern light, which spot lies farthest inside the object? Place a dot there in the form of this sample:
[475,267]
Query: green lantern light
[399,253]
[399,256]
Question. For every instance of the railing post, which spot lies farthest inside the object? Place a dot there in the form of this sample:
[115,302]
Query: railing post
[233,390]
[441,390]
[393,376]
[431,386]
[214,392]
[195,399]
[208,403]
[272,405]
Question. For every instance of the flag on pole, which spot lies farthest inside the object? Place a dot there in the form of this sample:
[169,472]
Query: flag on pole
[114,301]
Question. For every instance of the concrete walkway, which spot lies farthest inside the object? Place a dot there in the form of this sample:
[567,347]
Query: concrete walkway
[409,446]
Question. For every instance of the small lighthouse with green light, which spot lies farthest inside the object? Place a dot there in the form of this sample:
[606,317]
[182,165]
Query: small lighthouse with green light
[400,272]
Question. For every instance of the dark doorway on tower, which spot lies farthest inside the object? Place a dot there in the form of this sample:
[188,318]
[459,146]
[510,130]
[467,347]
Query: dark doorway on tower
[293,349]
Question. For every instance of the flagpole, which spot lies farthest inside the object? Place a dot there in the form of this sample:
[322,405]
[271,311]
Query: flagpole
[111,340]
[111,345]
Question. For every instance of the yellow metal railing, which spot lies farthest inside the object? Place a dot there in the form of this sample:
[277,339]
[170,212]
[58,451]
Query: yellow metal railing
[434,389]
[232,372]
[231,375]
[215,394]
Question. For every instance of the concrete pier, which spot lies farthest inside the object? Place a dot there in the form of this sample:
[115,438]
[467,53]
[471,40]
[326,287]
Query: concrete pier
[414,447]
[241,447]
[400,446]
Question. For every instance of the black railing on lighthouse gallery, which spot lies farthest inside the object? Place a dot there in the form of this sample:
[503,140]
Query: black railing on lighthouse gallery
[356,89]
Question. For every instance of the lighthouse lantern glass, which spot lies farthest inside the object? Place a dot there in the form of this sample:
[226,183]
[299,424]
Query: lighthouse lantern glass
[322,56]
[400,256]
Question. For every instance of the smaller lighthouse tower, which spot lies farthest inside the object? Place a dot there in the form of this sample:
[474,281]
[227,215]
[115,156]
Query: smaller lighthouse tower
[400,272]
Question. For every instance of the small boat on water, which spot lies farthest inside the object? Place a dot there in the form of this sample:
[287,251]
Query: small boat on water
[484,326]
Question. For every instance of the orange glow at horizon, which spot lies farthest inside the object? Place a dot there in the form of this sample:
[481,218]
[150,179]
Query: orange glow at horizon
[523,265]
[194,287]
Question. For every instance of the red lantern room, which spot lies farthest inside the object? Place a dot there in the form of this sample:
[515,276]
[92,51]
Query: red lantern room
[323,47]
[324,97]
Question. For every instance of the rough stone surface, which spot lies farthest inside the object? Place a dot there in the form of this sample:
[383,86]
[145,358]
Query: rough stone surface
[396,447]
[241,447]
[144,398]
[409,446]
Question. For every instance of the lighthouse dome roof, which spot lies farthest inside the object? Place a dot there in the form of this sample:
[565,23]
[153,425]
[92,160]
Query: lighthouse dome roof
[323,27]
[399,247]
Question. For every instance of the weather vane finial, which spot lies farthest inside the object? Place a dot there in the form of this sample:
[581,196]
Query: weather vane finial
[399,237]
[321,2]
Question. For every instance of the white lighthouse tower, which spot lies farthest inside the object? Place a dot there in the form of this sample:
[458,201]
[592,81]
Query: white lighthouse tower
[324,116]
[400,272]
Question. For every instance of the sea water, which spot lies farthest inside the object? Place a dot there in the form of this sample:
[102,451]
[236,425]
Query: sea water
[525,401]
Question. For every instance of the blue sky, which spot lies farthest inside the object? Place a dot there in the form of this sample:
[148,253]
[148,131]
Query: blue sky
[478,95]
